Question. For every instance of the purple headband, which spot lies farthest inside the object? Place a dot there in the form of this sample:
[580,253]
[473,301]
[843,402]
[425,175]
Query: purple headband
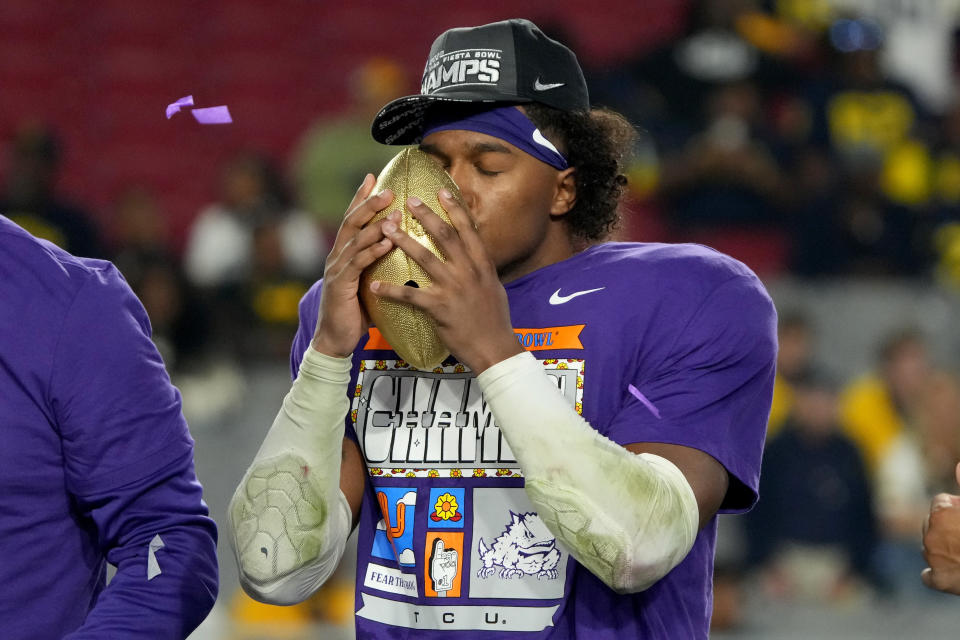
[509,124]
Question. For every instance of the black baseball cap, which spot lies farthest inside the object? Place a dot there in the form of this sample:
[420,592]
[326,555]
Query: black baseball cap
[509,62]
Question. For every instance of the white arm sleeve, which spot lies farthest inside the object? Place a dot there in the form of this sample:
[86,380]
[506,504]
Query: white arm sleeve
[628,518]
[288,517]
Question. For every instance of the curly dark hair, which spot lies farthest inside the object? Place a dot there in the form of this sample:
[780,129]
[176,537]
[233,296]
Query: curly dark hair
[597,144]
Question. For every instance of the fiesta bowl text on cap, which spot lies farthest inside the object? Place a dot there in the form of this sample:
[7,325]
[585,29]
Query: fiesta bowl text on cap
[511,61]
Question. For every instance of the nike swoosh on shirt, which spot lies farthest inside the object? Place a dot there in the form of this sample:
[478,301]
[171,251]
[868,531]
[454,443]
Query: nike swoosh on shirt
[556,298]
[540,86]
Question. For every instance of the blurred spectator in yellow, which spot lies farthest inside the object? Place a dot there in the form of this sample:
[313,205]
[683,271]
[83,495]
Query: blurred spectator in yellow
[30,195]
[795,348]
[919,459]
[906,418]
[865,118]
[857,109]
[812,15]
[941,542]
[336,153]
[945,179]
[788,32]
[875,408]
[813,531]
[866,144]
[896,162]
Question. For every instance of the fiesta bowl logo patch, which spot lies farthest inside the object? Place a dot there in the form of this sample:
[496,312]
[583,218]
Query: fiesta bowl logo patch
[462,67]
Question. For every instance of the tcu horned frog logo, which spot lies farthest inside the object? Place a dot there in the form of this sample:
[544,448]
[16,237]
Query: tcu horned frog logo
[526,547]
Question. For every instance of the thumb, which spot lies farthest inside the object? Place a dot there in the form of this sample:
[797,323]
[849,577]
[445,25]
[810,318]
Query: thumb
[958,472]
[927,577]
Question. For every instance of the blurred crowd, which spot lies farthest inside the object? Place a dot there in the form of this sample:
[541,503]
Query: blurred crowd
[811,139]
[827,139]
[849,470]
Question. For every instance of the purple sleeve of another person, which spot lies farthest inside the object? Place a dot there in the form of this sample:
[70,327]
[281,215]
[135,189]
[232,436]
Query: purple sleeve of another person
[128,459]
[713,390]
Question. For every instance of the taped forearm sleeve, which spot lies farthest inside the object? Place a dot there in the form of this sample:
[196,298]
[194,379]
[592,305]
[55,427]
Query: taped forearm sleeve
[288,517]
[628,518]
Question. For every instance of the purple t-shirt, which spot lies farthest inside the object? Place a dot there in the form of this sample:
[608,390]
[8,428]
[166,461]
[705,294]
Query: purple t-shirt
[449,541]
[96,463]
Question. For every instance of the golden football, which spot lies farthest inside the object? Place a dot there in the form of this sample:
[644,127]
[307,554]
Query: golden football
[411,332]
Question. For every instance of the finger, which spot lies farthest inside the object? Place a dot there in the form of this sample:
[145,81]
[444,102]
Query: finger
[364,212]
[358,217]
[348,263]
[364,196]
[446,236]
[401,293]
[957,470]
[363,191]
[366,257]
[464,225]
[945,581]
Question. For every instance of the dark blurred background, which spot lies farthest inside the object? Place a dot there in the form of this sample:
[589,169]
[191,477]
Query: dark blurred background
[816,140]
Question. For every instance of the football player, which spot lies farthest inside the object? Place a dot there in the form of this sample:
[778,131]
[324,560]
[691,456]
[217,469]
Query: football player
[561,474]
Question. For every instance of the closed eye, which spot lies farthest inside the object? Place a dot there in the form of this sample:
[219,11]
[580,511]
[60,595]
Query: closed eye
[436,155]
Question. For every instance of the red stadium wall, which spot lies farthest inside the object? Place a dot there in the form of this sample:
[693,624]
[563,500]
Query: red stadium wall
[101,72]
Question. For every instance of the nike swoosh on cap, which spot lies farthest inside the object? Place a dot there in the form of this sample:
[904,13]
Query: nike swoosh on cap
[556,298]
[540,86]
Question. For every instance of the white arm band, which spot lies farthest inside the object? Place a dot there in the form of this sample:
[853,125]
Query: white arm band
[289,519]
[628,518]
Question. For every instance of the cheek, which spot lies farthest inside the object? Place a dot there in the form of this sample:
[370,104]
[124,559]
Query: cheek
[513,213]
[512,223]
[494,228]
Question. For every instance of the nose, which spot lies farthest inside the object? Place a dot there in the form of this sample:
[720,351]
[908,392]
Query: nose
[460,172]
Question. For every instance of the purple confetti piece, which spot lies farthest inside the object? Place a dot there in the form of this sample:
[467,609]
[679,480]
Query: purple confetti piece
[213,115]
[642,398]
[174,107]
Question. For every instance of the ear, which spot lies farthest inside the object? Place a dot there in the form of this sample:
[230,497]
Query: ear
[565,195]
